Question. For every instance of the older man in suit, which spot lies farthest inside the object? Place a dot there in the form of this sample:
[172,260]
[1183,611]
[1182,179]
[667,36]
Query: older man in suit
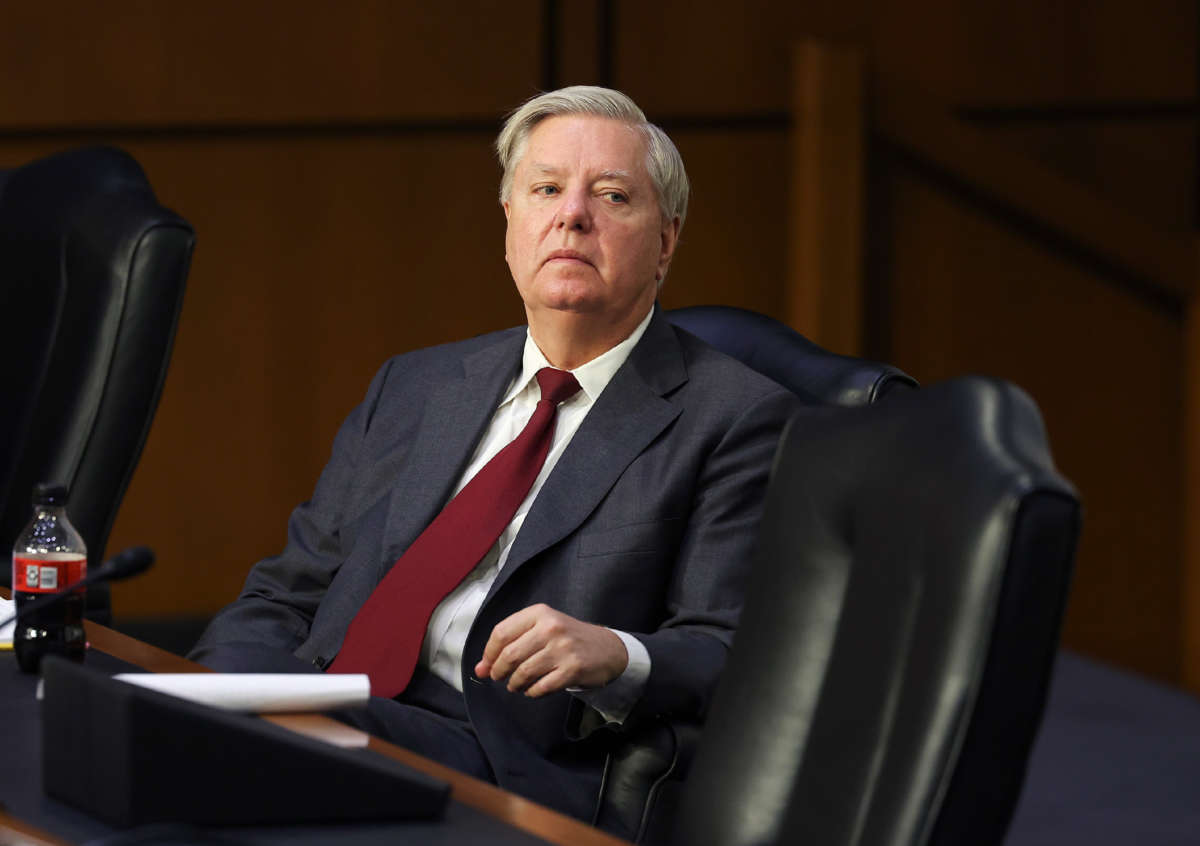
[535,539]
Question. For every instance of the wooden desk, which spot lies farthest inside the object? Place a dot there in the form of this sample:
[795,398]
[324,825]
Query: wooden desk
[484,797]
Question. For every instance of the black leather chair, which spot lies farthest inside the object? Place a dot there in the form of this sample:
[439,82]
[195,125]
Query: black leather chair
[891,667]
[644,778]
[811,372]
[92,273]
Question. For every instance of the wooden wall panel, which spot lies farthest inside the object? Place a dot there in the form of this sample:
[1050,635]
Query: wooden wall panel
[827,195]
[684,57]
[715,58]
[578,48]
[1024,51]
[1147,166]
[72,63]
[733,247]
[1189,605]
[970,295]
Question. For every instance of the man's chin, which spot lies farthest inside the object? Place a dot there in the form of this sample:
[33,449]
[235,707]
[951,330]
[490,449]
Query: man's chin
[570,299]
[581,308]
[581,303]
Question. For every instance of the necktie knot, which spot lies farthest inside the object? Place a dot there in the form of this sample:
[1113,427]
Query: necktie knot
[557,385]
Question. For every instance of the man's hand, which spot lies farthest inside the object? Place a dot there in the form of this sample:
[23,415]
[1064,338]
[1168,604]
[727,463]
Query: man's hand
[540,650]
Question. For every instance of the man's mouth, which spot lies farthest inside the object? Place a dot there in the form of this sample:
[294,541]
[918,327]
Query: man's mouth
[567,255]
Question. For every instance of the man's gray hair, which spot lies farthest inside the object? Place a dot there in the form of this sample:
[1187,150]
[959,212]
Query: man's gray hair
[663,161]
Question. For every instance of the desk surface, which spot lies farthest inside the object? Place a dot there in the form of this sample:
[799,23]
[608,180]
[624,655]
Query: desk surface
[478,813]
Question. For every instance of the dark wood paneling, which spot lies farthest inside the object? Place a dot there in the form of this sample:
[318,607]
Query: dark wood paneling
[577,47]
[1189,604]
[722,61]
[1105,368]
[680,57]
[827,199]
[1032,51]
[1147,167]
[263,60]
[733,247]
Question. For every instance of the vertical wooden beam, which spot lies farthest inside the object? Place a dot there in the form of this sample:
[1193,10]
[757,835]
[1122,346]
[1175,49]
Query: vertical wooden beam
[579,41]
[1190,577]
[825,256]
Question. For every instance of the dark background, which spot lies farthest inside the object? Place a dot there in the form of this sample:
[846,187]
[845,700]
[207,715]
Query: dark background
[1027,209]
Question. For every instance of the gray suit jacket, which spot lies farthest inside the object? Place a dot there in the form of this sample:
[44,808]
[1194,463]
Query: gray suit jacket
[645,524]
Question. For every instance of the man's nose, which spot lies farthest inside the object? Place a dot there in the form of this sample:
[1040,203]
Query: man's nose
[573,211]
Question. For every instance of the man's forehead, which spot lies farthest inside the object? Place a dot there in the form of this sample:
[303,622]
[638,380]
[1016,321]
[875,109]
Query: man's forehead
[540,168]
[606,145]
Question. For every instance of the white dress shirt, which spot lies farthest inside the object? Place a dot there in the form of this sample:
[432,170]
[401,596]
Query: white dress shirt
[441,651]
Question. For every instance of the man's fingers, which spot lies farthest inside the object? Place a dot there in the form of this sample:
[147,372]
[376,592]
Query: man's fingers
[550,683]
[516,653]
[508,630]
[530,670]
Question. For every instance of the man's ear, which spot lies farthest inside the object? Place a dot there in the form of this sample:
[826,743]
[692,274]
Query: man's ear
[504,205]
[668,239]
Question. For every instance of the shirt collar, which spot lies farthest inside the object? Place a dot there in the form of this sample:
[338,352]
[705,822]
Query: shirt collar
[593,376]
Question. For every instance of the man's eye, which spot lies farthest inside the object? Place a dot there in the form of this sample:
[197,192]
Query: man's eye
[545,190]
[615,197]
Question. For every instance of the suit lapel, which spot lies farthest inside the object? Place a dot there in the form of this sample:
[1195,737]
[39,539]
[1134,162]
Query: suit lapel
[452,422]
[627,417]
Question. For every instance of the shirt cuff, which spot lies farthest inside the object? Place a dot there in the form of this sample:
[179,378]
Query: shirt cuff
[616,699]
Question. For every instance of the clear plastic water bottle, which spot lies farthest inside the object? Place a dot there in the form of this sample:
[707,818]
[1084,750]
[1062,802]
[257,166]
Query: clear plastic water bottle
[48,556]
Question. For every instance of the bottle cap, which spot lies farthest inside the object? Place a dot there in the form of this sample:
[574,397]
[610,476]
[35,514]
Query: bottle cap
[48,493]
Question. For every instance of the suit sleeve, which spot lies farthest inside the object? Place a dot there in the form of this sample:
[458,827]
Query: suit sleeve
[280,597]
[688,650]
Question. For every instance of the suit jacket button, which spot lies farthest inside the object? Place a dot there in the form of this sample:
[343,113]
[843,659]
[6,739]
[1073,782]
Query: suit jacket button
[319,662]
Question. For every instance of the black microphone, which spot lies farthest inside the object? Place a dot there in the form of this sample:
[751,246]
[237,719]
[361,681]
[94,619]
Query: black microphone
[126,563]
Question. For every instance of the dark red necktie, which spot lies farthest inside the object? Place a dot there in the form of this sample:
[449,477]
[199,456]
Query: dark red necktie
[384,638]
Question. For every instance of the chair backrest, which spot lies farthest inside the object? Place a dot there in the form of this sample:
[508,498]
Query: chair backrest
[92,273]
[642,782]
[891,667]
[814,374]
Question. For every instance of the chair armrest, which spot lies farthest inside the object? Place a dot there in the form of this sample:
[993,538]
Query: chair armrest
[643,780]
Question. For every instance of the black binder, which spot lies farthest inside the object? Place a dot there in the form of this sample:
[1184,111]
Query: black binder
[131,756]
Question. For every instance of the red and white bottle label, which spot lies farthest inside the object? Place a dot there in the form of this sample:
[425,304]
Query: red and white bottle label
[47,573]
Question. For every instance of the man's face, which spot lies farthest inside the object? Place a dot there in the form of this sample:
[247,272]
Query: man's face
[585,232]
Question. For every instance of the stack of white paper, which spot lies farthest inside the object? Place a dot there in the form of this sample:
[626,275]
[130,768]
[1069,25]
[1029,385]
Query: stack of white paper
[261,693]
[7,609]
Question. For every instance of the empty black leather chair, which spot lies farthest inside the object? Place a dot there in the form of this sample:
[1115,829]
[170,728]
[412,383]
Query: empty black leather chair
[645,775]
[890,670]
[92,273]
